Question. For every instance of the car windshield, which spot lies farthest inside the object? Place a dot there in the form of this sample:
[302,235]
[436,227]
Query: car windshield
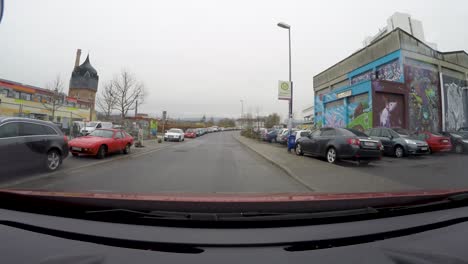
[208,93]
[102,133]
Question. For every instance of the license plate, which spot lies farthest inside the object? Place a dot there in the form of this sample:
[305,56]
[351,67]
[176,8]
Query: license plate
[445,141]
[75,148]
[424,148]
[370,144]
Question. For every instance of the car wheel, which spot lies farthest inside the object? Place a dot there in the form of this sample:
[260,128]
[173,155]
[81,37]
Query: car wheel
[101,152]
[126,149]
[75,154]
[399,152]
[459,149]
[183,139]
[299,151]
[53,160]
[331,155]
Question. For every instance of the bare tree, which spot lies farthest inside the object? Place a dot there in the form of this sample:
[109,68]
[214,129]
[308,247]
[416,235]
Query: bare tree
[127,90]
[107,101]
[56,99]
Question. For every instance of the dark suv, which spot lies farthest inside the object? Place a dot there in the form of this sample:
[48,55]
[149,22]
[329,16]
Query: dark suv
[28,143]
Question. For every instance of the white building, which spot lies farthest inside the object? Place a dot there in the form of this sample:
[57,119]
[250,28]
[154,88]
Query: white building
[405,22]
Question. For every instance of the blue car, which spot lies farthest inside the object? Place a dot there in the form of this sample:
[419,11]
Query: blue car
[271,136]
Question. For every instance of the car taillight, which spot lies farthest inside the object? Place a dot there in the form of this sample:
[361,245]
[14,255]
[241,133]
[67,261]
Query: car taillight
[379,146]
[354,141]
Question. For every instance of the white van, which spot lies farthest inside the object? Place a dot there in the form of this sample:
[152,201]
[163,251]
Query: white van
[91,126]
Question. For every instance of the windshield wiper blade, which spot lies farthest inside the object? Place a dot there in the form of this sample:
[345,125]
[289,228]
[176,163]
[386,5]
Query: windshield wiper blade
[241,216]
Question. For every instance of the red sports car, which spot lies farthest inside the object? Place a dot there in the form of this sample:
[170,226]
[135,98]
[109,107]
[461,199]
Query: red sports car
[101,142]
[436,142]
[190,133]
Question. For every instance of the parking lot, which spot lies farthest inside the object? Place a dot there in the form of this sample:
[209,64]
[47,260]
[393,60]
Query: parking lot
[433,171]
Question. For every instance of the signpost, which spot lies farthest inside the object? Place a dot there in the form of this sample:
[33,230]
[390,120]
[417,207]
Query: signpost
[284,90]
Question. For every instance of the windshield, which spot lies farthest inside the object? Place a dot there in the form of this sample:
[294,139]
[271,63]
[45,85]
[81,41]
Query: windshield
[241,75]
[102,133]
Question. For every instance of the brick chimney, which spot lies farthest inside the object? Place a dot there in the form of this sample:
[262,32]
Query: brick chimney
[78,55]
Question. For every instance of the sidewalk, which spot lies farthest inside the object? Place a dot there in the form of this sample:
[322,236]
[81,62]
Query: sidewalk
[320,176]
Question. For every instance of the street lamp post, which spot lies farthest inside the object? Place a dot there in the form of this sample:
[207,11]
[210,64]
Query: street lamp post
[288,27]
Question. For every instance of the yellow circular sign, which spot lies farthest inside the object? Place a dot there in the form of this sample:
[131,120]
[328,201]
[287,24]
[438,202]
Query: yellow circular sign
[285,86]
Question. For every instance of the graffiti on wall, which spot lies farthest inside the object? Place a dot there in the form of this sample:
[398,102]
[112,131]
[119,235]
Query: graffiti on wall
[455,103]
[389,110]
[390,71]
[366,76]
[318,111]
[423,87]
[359,112]
[334,114]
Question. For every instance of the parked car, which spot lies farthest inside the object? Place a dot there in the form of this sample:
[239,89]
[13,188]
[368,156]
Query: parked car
[174,134]
[190,133]
[398,142]
[271,136]
[28,142]
[301,133]
[437,142]
[283,139]
[340,143]
[91,126]
[459,141]
[280,134]
[101,142]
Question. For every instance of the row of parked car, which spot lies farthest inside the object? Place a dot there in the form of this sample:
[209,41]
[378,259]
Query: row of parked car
[28,142]
[343,143]
[177,134]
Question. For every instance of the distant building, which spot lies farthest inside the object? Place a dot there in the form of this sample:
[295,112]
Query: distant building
[84,81]
[396,81]
[405,22]
[17,99]
[308,114]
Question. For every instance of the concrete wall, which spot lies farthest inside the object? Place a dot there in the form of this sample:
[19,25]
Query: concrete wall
[338,72]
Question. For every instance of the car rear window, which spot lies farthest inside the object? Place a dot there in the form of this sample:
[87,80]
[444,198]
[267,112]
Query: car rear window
[352,132]
[30,129]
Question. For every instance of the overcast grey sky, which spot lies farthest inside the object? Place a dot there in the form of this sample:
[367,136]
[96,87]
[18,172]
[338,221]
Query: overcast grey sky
[202,57]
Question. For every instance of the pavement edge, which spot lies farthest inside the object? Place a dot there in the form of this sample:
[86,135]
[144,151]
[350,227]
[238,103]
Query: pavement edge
[280,166]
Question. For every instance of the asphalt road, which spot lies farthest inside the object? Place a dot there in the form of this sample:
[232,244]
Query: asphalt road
[213,163]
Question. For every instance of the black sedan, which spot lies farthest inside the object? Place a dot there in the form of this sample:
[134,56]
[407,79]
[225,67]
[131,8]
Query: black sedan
[459,141]
[27,142]
[340,143]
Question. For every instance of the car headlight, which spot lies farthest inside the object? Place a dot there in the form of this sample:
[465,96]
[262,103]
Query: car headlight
[409,141]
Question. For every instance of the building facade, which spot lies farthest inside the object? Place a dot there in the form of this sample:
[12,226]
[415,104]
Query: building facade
[18,99]
[396,81]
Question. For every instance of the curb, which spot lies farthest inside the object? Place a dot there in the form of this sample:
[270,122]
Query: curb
[280,166]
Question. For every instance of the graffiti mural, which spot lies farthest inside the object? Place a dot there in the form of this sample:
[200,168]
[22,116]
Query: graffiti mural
[359,112]
[455,103]
[366,76]
[389,110]
[335,114]
[424,98]
[318,111]
[390,71]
